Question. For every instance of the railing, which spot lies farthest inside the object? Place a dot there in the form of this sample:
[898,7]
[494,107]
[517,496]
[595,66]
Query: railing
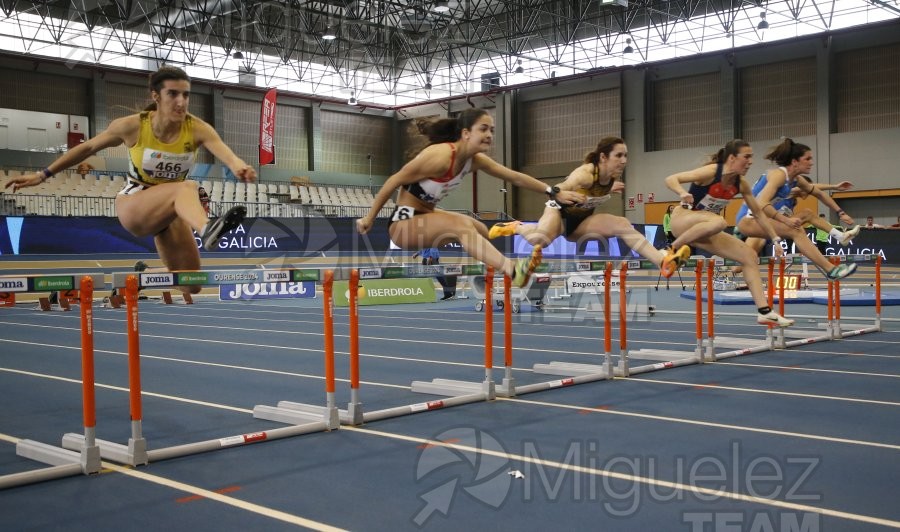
[39,205]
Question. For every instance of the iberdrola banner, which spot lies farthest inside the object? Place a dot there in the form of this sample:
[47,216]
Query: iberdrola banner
[267,129]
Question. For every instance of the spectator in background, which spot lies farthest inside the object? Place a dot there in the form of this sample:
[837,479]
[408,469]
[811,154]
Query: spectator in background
[822,235]
[430,257]
[667,224]
[896,225]
[870,224]
[84,169]
[204,199]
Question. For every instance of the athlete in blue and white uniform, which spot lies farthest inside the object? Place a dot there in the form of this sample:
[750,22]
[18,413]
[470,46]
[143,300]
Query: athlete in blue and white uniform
[457,147]
[775,192]
[700,223]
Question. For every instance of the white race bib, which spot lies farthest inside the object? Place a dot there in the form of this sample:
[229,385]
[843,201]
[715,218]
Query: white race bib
[592,201]
[403,212]
[713,205]
[166,166]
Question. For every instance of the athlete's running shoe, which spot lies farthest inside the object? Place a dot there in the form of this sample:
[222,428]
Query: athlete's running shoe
[773,318]
[840,271]
[526,266]
[218,227]
[673,260]
[849,235]
[503,229]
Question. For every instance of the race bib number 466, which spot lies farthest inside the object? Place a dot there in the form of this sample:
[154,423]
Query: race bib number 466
[164,165]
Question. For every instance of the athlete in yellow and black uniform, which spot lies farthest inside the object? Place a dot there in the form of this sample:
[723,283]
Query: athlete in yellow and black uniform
[597,177]
[159,200]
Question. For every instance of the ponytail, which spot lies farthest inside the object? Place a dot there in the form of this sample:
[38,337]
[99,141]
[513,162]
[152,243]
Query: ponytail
[605,147]
[732,147]
[441,130]
[786,152]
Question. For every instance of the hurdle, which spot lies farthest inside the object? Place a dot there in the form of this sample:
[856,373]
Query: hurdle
[63,462]
[136,452]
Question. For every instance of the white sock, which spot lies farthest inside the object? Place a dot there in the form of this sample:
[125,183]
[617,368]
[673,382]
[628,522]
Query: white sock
[836,233]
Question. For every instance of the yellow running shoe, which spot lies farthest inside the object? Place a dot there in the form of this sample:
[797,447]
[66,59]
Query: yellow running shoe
[526,266]
[503,229]
[673,260]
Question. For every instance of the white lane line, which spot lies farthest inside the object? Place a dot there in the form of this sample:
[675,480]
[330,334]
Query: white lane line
[704,423]
[818,370]
[705,492]
[197,491]
[758,390]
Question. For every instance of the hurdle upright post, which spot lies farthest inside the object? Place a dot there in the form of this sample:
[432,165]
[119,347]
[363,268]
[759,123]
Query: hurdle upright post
[698,307]
[623,320]
[878,293]
[607,320]
[710,315]
[332,414]
[770,300]
[90,451]
[508,385]
[137,445]
[488,384]
[354,408]
[829,325]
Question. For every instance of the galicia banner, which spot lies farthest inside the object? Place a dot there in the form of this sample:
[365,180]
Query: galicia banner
[267,129]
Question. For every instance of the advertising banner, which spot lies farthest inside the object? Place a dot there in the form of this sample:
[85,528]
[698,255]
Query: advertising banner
[386,292]
[267,129]
[284,290]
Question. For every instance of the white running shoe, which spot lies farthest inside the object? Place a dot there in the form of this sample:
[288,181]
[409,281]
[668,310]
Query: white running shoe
[849,235]
[773,318]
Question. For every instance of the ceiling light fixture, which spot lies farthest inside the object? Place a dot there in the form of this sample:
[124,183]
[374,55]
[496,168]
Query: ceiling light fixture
[428,85]
[763,24]
[519,68]
[352,100]
[441,6]
[238,55]
[628,49]
[329,34]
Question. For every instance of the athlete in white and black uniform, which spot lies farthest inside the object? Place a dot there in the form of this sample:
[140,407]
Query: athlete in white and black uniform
[456,147]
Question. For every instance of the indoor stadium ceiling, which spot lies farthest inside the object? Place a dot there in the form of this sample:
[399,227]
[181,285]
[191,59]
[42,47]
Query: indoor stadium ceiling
[400,52]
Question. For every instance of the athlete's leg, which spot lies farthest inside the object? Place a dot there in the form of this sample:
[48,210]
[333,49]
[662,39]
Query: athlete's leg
[690,226]
[150,211]
[602,225]
[178,250]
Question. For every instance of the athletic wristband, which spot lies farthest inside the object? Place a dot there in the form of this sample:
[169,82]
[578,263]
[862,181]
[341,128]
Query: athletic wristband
[552,191]
[47,174]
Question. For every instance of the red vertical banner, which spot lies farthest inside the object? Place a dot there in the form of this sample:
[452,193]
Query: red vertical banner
[267,129]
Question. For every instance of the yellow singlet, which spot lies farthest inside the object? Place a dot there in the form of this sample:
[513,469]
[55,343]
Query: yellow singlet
[154,162]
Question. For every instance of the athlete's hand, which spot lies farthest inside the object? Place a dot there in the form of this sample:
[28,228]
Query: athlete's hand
[617,188]
[843,185]
[846,219]
[363,225]
[569,197]
[794,222]
[245,173]
[776,243]
[687,199]
[23,181]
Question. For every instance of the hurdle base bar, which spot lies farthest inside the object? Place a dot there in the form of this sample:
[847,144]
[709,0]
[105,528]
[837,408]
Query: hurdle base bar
[664,355]
[507,387]
[739,352]
[637,370]
[569,369]
[133,454]
[39,475]
[298,414]
[387,413]
[88,459]
[453,388]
